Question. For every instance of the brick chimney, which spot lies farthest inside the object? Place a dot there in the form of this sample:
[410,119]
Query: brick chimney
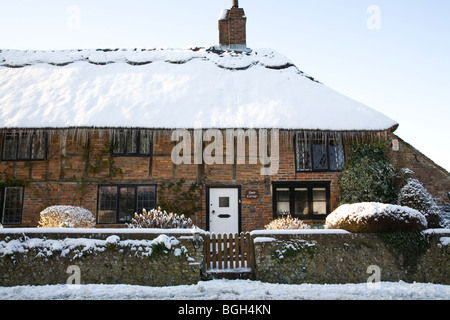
[232,28]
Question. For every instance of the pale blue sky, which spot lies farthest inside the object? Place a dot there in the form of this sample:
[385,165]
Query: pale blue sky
[401,68]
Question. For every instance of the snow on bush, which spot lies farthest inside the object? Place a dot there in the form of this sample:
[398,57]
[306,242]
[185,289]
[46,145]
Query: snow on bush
[156,218]
[375,217]
[286,223]
[66,217]
[414,195]
[445,215]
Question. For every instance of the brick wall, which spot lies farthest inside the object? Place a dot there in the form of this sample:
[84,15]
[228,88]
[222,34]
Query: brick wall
[434,178]
[73,170]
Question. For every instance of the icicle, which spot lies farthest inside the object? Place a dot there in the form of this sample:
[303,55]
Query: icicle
[158,136]
[72,132]
[63,141]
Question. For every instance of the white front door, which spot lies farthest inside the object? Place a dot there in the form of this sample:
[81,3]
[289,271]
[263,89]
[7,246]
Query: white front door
[224,210]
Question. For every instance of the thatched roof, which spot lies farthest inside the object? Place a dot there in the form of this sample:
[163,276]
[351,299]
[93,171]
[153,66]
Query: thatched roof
[171,89]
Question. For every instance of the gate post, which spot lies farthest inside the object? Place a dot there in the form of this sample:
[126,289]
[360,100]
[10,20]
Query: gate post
[251,246]
[206,254]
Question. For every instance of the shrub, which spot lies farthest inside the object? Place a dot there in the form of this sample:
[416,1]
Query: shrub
[286,223]
[414,195]
[368,175]
[156,218]
[66,217]
[445,215]
[375,217]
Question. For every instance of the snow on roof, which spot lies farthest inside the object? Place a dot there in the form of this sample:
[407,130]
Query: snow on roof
[171,88]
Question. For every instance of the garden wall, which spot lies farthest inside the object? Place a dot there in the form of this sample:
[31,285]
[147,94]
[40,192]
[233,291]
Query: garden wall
[153,257]
[114,256]
[337,256]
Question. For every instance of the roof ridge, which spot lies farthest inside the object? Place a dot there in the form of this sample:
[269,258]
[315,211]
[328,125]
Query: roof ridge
[231,60]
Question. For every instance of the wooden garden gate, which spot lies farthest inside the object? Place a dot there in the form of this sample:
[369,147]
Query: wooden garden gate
[229,255]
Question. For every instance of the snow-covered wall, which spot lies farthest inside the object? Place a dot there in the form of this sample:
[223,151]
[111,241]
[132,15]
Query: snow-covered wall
[115,256]
[174,257]
[337,256]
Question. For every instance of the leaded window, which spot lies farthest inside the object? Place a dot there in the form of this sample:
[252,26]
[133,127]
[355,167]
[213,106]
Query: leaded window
[336,154]
[303,200]
[23,146]
[128,142]
[12,206]
[318,154]
[119,203]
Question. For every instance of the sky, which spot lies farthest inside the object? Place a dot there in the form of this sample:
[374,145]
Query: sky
[391,55]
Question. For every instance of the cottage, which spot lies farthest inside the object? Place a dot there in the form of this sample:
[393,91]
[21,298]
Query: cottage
[109,129]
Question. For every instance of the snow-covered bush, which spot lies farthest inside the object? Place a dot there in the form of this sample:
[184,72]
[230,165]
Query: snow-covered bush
[156,218]
[414,195]
[445,215]
[286,223]
[406,173]
[66,217]
[375,217]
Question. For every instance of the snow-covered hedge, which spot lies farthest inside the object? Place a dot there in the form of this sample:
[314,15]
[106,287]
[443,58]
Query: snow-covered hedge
[156,218]
[66,217]
[375,217]
[286,223]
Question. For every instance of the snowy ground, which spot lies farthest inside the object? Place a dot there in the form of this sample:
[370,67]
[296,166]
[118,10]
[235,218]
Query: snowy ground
[232,290]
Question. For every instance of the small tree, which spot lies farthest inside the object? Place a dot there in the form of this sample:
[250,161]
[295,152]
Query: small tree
[368,176]
[414,195]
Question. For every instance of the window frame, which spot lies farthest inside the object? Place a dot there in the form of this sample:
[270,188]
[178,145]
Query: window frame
[3,202]
[126,153]
[311,152]
[310,186]
[17,137]
[117,205]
